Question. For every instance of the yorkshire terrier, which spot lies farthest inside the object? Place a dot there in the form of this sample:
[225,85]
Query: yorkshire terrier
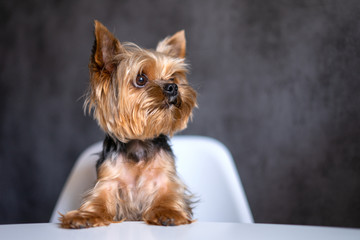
[139,97]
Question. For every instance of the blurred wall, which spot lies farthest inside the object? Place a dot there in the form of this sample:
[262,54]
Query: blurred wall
[278,84]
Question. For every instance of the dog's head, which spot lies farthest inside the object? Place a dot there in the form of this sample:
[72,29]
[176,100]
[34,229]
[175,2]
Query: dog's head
[137,93]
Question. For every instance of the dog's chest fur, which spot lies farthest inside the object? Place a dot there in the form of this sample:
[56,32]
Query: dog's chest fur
[139,170]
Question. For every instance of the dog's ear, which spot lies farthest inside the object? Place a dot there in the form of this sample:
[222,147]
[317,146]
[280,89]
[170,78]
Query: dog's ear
[174,45]
[106,46]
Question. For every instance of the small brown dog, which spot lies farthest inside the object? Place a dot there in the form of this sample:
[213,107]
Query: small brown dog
[138,97]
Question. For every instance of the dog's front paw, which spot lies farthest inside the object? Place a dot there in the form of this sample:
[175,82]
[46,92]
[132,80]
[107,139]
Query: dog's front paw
[166,217]
[82,219]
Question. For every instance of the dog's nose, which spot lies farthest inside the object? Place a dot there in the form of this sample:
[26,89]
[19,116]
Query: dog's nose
[171,89]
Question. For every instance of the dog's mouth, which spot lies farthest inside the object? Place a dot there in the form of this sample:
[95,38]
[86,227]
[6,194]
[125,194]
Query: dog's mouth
[172,102]
[175,102]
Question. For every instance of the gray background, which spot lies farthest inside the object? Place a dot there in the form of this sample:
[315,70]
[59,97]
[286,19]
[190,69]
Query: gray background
[278,84]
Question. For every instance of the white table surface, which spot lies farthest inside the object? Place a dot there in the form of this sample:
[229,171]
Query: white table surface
[198,231]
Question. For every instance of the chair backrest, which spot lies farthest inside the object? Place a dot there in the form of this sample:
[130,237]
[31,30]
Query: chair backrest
[204,164]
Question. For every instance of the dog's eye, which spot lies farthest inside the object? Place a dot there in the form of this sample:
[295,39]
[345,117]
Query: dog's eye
[141,80]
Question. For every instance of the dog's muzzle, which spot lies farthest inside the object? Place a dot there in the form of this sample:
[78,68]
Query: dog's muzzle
[171,91]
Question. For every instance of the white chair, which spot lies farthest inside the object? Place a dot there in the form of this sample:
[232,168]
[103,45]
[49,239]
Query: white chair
[204,164]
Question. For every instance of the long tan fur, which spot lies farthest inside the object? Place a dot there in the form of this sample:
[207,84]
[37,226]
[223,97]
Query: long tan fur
[148,189]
